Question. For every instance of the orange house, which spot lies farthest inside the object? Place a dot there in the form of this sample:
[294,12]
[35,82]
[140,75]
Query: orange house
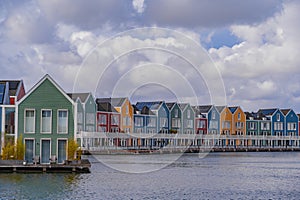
[225,120]
[124,107]
[238,121]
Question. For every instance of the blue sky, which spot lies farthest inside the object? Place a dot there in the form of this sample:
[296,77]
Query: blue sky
[252,46]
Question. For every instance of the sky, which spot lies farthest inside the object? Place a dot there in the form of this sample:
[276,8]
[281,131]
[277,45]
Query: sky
[230,52]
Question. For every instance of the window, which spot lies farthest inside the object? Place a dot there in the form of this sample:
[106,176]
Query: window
[62,121]
[189,123]
[46,122]
[114,120]
[126,121]
[292,126]
[29,121]
[176,122]
[278,126]
[127,110]
[90,118]
[176,113]
[151,122]
[101,128]
[239,124]
[90,128]
[102,119]
[239,116]
[226,124]
[265,126]
[201,124]
[213,115]
[163,122]
[138,121]
[213,124]
[252,125]
[188,114]
[278,117]
[79,117]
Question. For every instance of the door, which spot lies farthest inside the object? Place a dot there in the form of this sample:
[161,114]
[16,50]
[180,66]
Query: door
[62,151]
[29,150]
[45,152]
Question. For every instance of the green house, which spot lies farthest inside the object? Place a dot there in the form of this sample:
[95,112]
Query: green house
[46,122]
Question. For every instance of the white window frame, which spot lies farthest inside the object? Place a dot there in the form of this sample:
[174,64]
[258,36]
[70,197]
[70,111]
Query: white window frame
[41,127]
[67,122]
[29,109]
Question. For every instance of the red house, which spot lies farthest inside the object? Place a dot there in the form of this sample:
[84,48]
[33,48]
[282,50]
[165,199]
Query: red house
[108,119]
[200,122]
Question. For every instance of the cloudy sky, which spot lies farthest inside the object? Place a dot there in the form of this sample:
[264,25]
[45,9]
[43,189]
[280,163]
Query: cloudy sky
[244,51]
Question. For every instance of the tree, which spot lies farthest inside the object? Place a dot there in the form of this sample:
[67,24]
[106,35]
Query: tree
[72,148]
[8,151]
[20,149]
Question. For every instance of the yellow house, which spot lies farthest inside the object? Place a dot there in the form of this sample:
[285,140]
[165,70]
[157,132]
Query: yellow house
[225,120]
[124,107]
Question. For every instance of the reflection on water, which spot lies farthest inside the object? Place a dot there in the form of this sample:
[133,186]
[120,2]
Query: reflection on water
[217,176]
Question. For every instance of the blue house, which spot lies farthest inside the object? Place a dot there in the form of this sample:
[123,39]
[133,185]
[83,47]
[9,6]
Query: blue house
[145,121]
[213,117]
[161,111]
[277,120]
[290,122]
[175,118]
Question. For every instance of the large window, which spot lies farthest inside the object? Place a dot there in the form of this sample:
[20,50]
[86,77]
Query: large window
[62,121]
[226,124]
[278,126]
[163,122]
[292,126]
[201,124]
[213,124]
[90,118]
[114,119]
[265,126]
[102,119]
[29,121]
[46,122]
[126,121]
[176,122]
[79,117]
[138,121]
[151,122]
[189,123]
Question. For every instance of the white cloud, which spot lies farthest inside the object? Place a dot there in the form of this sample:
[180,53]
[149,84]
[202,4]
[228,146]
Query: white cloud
[138,5]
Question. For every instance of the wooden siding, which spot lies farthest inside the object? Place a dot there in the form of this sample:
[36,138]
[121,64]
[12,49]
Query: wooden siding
[46,96]
[225,116]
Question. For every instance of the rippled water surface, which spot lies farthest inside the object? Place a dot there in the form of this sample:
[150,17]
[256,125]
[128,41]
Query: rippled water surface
[216,176]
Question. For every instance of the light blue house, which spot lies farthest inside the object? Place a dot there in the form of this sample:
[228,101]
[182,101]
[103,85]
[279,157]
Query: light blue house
[175,119]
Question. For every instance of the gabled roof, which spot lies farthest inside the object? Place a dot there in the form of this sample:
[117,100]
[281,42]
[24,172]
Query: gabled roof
[152,105]
[106,107]
[14,86]
[233,109]
[144,111]
[269,111]
[255,116]
[116,102]
[183,106]
[46,77]
[220,108]
[170,105]
[82,96]
[204,108]
[285,111]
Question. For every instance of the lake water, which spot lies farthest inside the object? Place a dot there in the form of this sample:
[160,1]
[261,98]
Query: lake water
[269,175]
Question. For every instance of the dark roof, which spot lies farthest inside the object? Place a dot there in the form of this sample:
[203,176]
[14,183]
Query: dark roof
[152,105]
[81,96]
[203,109]
[116,102]
[13,86]
[170,105]
[220,108]
[183,105]
[233,109]
[269,111]
[105,107]
[2,92]
[285,111]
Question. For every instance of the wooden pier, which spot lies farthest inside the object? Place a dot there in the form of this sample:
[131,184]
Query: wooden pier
[18,166]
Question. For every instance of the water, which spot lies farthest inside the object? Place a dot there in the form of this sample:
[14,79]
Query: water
[218,176]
